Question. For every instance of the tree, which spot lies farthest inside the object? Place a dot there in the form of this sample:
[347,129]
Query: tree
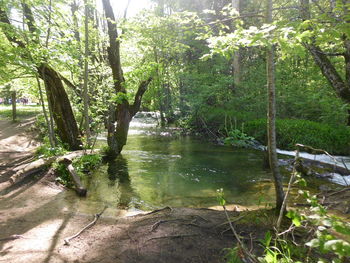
[120,110]
[338,17]
[271,120]
[57,97]
[236,67]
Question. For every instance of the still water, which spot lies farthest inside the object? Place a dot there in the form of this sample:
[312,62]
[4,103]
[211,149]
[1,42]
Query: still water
[157,169]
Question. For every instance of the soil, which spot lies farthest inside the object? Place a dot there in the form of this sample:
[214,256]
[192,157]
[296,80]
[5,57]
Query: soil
[37,215]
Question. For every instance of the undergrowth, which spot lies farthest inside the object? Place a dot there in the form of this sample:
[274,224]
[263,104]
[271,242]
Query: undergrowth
[334,139]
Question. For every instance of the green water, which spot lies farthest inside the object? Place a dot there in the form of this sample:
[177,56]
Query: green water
[161,170]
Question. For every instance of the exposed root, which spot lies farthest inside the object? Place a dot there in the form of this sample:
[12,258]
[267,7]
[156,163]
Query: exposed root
[159,210]
[173,236]
[97,216]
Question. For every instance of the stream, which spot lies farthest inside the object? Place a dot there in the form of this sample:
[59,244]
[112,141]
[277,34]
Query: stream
[158,169]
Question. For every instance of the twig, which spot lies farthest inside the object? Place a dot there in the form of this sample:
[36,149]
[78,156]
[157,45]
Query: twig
[338,192]
[284,203]
[173,236]
[249,255]
[286,231]
[156,225]
[159,210]
[232,221]
[13,237]
[97,216]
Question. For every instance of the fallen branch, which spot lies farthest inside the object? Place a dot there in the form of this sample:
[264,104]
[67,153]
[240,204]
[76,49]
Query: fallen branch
[232,221]
[156,225]
[173,236]
[79,188]
[97,216]
[250,257]
[159,210]
[13,237]
[338,192]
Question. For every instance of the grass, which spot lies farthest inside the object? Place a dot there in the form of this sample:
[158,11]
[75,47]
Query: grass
[23,112]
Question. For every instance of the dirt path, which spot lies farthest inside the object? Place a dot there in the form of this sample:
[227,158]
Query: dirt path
[17,143]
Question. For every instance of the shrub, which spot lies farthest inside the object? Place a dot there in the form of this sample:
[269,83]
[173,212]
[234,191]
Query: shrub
[335,140]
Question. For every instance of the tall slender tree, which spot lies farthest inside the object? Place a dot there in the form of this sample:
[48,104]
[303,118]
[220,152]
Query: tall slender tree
[271,120]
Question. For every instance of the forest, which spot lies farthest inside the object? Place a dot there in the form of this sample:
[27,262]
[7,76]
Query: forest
[175,131]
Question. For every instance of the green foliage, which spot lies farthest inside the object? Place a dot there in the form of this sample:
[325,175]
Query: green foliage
[221,197]
[237,138]
[232,255]
[83,165]
[332,234]
[333,139]
[87,163]
[45,150]
[63,175]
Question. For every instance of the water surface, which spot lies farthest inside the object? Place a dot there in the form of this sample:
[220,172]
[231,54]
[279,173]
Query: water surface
[157,170]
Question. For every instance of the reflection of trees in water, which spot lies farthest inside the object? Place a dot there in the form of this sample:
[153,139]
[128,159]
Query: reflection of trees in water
[118,173]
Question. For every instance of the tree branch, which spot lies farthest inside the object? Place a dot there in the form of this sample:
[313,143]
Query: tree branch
[138,97]
[9,35]
[70,84]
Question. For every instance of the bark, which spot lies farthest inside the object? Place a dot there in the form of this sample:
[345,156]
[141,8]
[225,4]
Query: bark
[79,188]
[86,76]
[237,55]
[61,108]
[271,89]
[13,101]
[123,112]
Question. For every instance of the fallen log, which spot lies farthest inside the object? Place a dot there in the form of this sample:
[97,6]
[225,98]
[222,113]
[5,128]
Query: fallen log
[79,188]
[25,170]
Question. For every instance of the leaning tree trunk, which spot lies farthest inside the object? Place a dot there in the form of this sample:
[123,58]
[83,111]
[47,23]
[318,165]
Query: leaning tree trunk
[62,111]
[329,70]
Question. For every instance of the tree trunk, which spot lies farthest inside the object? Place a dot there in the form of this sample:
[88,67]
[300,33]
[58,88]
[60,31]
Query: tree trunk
[237,55]
[49,128]
[271,121]
[86,76]
[13,100]
[61,108]
[341,86]
[122,112]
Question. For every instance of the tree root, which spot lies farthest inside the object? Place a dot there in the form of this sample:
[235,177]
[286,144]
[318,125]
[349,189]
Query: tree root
[173,236]
[156,225]
[97,216]
[159,210]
